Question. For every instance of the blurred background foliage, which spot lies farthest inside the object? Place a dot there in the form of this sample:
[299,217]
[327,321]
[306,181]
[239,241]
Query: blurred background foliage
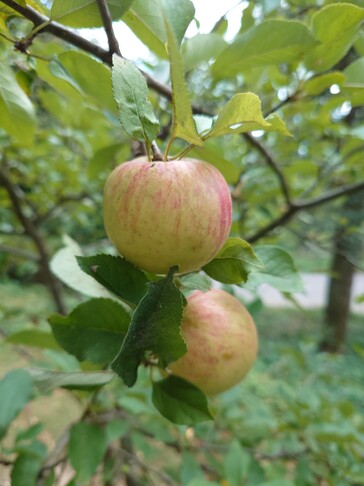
[298,418]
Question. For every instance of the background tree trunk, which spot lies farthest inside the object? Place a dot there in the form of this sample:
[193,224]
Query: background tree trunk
[347,245]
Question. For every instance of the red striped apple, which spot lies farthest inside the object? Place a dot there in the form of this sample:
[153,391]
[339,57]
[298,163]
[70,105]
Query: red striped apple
[221,341]
[166,213]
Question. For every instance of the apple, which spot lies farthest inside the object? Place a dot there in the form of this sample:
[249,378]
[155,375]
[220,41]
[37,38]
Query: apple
[221,341]
[165,213]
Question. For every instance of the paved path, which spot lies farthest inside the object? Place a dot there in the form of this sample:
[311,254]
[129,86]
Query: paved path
[316,285]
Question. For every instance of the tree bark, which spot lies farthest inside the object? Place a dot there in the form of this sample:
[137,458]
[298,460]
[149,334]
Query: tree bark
[31,230]
[347,245]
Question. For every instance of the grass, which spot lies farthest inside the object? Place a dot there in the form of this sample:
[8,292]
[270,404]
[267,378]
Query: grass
[27,307]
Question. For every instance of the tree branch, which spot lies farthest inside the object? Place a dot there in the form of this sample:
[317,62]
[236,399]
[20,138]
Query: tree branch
[78,41]
[59,31]
[107,21]
[300,205]
[280,221]
[28,255]
[6,462]
[34,235]
[272,164]
[41,218]
[330,196]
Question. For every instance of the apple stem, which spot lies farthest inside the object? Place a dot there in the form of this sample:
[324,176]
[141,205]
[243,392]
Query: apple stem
[169,143]
[157,154]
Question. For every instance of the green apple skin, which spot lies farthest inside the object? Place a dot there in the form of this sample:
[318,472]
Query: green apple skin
[221,340]
[166,213]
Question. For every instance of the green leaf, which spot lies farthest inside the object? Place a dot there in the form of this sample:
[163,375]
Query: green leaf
[15,393]
[87,446]
[94,330]
[17,112]
[354,84]
[336,27]
[213,152]
[201,48]
[240,114]
[28,464]
[180,401]
[190,468]
[178,14]
[104,159]
[203,482]
[85,13]
[58,70]
[183,123]
[30,433]
[195,281]
[47,380]
[269,43]
[233,263]
[354,73]
[93,77]
[279,271]
[64,265]
[145,28]
[276,124]
[359,44]
[359,299]
[131,94]
[33,337]
[116,274]
[236,464]
[145,20]
[278,482]
[318,84]
[154,329]
[339,433]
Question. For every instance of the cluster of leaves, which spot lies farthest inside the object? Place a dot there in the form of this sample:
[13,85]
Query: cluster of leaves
[143,327]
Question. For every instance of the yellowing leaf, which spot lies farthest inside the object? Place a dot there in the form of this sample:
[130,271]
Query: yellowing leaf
[277,125]
[241,114]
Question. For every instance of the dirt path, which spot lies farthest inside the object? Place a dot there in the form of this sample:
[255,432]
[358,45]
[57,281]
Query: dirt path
[316,285]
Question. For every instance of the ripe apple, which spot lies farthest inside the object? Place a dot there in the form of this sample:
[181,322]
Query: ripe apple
[221,341]
[165,213]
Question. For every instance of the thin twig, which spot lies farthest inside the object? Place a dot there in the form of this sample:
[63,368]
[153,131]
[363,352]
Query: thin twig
[6,462]
[32,231]
[107,21]
[41,218]
[272,164]
[282,103]
[300,205]
[19,252]
[59,31]
[146,467]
